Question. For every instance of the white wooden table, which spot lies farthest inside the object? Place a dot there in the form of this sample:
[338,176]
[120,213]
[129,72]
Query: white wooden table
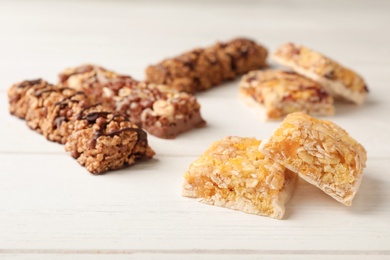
[52,208]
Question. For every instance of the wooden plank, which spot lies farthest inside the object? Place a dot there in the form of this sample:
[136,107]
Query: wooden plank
[50,207]
[51,202]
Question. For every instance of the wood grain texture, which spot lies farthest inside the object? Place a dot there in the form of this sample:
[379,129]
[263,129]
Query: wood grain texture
[50,207]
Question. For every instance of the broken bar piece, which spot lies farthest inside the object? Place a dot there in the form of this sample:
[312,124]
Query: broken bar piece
[233,173]
[321,152]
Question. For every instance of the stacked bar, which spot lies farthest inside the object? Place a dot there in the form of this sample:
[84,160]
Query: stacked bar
[66,115]
[282,92]
[337,80]
[201,69]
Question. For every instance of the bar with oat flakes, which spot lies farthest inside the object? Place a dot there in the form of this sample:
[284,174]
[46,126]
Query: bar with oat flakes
[321,152]
[233,173]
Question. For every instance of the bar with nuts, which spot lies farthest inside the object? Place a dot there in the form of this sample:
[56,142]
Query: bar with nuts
[201,69]
[337,80]
[233,173]
[321,152]
[161,111]
[280,93]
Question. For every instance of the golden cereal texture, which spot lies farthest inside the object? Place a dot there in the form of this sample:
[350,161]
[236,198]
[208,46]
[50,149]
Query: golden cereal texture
[233,173]
[321,152]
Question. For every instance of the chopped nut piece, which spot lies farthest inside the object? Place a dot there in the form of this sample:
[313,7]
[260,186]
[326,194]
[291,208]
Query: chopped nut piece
[336,79]
[337,171]
[282,93]
[232,173]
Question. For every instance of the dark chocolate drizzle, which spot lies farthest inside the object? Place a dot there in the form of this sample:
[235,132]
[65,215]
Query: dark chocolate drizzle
[30,83]
[233,65]
[65,102]
[80,115]
[92,117]
[38,93]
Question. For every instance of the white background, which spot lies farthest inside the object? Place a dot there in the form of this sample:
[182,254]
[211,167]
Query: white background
[51,207]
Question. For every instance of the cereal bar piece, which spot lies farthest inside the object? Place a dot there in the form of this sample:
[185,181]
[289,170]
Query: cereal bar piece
[17,98]
[201,69]
[232,173]
[103,141]
[59,122]
[336,79]
[282,93]
[321,152]
[161,111]
[99,84]
[40,102]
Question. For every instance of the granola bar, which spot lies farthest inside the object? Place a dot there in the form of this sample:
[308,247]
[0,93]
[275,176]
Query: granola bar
[201,69]
[321,152]
[161,111]
[17,98]
[96,137]
[232,173]
[103,141]
[59,121]
[336,79]
[33,102]
[281,93]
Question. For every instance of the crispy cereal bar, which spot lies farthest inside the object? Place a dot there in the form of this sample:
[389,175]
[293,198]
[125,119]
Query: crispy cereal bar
[103,141]
[35,103]
[321,152]
[97,138]
[232,173]
[17,98]
[161,111]
[281,93]
[201,69]
[336,79]
[59,121]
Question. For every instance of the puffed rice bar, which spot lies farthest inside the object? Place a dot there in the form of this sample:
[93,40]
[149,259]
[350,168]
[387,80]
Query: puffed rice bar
[103,141]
